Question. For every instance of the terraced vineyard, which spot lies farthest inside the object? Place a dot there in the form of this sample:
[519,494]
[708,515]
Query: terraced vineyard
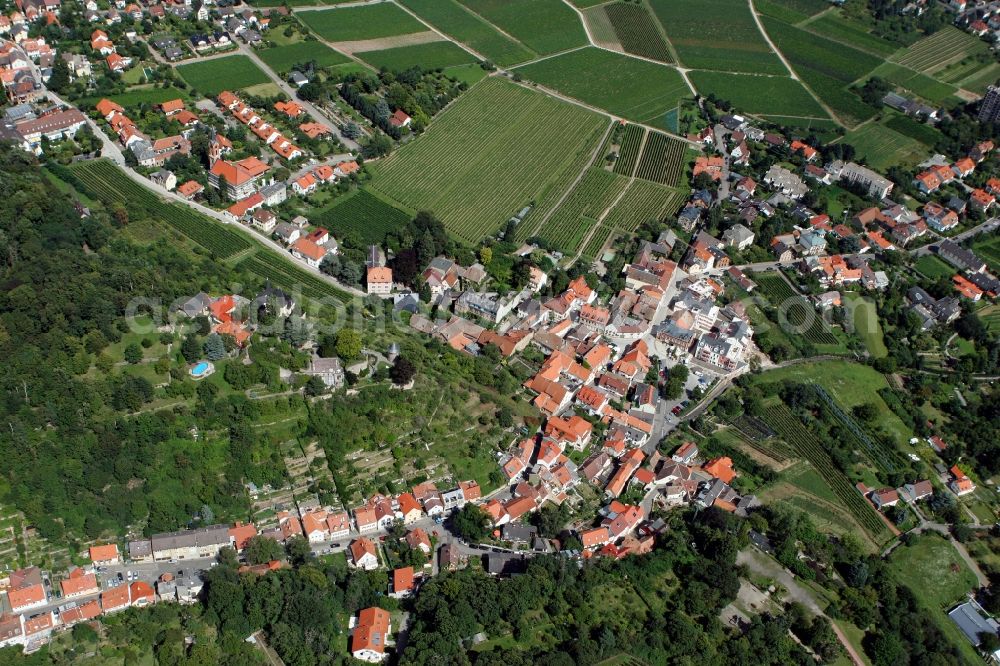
[578,214]
[628,154]
[662,159]
[285,274]
[795,309]
[497,148]
[643,201]
[790,429]
[636,31]
[107,183]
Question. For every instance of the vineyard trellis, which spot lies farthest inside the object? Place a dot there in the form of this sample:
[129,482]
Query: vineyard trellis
[628,153]
[636,31]
[644,201]
[791,429]
[796,310]
[569,224]
[887,459]
[283,273]
[662,159]
[107,183]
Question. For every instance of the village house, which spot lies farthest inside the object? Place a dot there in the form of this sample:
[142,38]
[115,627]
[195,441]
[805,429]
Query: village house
[370,635]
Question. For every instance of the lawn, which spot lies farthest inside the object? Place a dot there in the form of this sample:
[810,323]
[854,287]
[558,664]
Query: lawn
[433,55]
[716,34]
[882,147]
[850,384]
[758,94]
[493,151]
[544,26]
[210,77]
[933,267]
[345,24]
[136,96]
[468,74]
[866,324]
[459,23]
[362,216]
[634,89]
[281,58]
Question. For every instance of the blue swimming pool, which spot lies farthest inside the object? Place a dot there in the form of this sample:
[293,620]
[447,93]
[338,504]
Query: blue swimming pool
[199,369]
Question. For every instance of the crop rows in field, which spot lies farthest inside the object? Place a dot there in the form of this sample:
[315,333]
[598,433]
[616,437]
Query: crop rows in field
[643,201]
[495,150]
[797,311]
[628,153]
[107,182]
[578,214]
[458,22]
[885,457]
[793,432]
[362,216]
[944,47]
[601,235]
[637,32]
[662,159]
[544,26]
[287,275]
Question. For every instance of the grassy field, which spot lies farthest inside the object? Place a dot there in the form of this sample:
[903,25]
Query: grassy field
[211,77]
[716,34]
[942,49]
[850,384]
[433,55]
[459,23]
[907,126]
[544,26]
[361,215]
[364,22]
[915,82]
[988,249]
[468,74]
[136,96]
[833,25]
[933,558]
[866,325]
[882,147]
[495,150]
[282,58]
[634,89]
[758,94]
[933,268]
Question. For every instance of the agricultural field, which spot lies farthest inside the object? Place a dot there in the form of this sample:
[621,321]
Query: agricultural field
[988,249]
[459,23]
[578,214]
[758,94]
[282,58]
[361,215]
[790,11]
[663,160]
[346,24]
[793,431]
[866,324]
[833,25]
[643,201]
[917,83]
[637,31]
[826,66]
[882,147]
[922,132]
[940,50]
[544,26]
[716,34]
[793,310]
[598,240]
[432,55]
[601,29]
[285,273]
[634,89]
[108,183]
[496,149]
[210,77]
[628,155]
[990,315]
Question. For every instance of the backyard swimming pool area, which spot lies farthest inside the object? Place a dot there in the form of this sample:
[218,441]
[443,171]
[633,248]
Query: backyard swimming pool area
[201,369]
